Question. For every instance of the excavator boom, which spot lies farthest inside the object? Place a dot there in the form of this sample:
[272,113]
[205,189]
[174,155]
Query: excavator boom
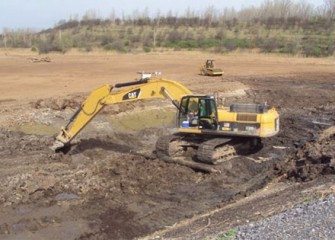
[142,89]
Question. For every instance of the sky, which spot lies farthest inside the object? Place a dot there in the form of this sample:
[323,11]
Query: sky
[43,14]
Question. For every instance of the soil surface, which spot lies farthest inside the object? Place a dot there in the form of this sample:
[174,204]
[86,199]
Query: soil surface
[111,185]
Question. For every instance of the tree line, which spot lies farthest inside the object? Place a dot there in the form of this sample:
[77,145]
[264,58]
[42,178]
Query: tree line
[279,26]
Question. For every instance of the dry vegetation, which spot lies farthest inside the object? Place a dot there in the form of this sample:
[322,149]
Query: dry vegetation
[277,26]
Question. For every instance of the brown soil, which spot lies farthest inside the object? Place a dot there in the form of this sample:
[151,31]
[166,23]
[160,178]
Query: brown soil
[111,185]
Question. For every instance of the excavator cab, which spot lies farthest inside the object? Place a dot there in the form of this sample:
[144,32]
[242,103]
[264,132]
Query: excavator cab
[198,111]
[209,63]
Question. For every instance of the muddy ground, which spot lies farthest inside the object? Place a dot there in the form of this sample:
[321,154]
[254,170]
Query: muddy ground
[111,185]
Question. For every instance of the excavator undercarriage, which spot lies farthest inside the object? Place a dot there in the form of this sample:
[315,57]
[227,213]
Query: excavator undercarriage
[201,152]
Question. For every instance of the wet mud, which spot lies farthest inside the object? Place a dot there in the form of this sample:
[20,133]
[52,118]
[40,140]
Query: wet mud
[111,185]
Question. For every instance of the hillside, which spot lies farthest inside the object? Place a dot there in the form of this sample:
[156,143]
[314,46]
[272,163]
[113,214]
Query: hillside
[279,26]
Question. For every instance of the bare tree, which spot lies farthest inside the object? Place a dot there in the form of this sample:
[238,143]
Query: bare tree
[89,15]
[247,14]
[228,14]
[303,10]
[209,16]
[112,15]
[330,8]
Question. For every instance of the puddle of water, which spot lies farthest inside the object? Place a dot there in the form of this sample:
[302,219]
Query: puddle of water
[67,197]
[138,120]
[127,121]
[38,129]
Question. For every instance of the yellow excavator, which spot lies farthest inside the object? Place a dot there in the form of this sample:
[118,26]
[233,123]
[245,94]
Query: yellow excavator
[208,133]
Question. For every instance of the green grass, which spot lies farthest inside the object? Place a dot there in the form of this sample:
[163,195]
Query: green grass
[138,120]
[312,197]
[38,129]
[227,235]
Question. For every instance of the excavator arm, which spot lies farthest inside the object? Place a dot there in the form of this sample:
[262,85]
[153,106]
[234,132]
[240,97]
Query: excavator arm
[142,89]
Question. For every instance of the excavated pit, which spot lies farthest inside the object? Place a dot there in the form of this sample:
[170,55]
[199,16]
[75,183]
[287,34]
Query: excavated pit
[111,185]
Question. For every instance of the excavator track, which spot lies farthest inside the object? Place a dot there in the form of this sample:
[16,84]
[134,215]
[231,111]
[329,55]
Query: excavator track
[207,154]
[173,149]
[167,145]
[215,151]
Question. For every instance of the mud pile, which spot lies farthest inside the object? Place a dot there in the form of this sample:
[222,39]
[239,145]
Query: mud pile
[313,159]
[21,157]
[59,103]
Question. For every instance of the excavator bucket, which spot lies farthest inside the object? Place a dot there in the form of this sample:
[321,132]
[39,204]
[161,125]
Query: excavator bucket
[57,145]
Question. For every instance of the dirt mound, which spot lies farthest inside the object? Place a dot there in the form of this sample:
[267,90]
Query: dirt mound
[59,103]
[313,159]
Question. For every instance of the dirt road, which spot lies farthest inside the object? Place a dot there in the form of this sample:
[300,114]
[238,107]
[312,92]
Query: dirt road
[112,186]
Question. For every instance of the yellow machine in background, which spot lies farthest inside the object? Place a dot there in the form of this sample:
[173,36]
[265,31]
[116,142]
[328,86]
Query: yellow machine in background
[208,69]
[214,133]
